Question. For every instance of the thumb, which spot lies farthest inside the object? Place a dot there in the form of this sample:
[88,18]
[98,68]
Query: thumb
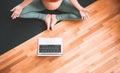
[12,9]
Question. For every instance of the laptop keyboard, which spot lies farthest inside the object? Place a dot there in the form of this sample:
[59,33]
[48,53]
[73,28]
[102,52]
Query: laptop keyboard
[50,48]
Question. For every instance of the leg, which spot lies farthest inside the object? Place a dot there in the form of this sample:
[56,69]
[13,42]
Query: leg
[35,15]
[71,12]
[33,11]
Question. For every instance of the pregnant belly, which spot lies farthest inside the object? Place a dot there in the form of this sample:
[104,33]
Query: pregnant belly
[52,5]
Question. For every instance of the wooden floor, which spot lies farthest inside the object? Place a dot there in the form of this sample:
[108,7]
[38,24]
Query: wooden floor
[89,46]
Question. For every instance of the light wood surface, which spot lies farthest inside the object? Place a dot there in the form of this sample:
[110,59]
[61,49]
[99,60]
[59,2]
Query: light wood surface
[89,46]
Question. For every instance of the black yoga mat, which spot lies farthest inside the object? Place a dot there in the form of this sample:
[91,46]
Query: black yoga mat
[15,32]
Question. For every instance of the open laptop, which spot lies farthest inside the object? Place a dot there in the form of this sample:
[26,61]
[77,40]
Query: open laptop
[50,47]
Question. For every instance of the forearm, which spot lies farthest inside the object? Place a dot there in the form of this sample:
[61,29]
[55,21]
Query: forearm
[76,4]
[25,3]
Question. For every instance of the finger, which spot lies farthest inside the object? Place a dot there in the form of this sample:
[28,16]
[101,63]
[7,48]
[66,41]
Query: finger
[87,15]
[86,18]
[82,18]
[12,14]
[18,15]
[12,9]
[15,16]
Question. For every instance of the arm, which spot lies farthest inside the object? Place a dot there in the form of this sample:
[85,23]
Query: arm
[83,12]
[18,9]
[25,3]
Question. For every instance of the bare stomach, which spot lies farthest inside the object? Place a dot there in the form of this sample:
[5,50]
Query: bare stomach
[53,5]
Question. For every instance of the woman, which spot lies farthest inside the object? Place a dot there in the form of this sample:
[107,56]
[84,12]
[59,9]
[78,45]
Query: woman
[32,8]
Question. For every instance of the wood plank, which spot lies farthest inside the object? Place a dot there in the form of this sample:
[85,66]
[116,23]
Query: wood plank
[89,46]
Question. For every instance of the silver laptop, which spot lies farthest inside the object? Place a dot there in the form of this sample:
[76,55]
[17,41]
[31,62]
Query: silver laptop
[50,47]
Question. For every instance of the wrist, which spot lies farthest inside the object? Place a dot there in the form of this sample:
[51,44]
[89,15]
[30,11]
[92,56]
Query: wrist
[80,9]
[25,3]
[21,6]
